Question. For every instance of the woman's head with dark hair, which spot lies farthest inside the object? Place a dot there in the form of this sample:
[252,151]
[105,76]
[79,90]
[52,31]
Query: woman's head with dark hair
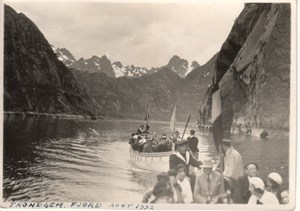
[274,180]
[163,193]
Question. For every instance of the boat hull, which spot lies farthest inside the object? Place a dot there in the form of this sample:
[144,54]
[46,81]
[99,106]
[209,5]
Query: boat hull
[156,161]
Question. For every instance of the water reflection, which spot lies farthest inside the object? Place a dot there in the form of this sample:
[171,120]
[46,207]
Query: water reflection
[61,160]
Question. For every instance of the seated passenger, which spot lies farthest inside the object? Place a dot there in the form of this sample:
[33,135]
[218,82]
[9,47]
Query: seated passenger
[161,178]
[274,182]
[141,144]
[284,196]
[184,183]
[259,194]
[163,145]
[208,185]
[163,193]
[148,146]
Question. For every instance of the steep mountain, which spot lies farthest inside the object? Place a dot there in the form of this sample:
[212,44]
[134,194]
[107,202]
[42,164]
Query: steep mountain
[181,66]
[34,79]
[158,92]
[130,97]
[253,70]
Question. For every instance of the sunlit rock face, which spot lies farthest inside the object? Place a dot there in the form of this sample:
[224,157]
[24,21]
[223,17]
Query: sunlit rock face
[253,70]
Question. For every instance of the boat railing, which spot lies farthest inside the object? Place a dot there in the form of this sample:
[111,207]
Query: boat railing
[152,154]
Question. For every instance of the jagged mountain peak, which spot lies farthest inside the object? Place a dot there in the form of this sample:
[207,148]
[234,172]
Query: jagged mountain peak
[117,64]
[117,69]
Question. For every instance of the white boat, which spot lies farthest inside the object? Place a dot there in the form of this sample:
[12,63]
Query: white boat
[154,161]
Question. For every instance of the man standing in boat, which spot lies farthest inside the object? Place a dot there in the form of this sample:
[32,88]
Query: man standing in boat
[193,144]
[141,130]
[183,156]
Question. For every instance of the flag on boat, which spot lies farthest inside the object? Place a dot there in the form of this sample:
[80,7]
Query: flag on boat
[173,120]
[147,121]
[216,116]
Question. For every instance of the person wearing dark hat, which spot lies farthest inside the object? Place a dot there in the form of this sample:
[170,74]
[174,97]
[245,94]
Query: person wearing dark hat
[163,193]
[241,192]
[184,183]
[233,163]
[193,144]
[161,178]
[208,185]
[183,156]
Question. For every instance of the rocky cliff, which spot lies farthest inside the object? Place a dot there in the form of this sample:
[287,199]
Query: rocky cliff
[34,79]
[253,71]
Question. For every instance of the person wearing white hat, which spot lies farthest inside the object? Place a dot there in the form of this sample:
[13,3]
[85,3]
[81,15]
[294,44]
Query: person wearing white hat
[233,163]
[208,186]
[259,195]
[274,182]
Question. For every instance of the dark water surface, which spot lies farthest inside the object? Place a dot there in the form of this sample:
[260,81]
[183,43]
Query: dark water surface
[60,160]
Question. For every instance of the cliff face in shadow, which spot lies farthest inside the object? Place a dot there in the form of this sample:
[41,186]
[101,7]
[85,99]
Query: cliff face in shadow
[253,70]
[34,79]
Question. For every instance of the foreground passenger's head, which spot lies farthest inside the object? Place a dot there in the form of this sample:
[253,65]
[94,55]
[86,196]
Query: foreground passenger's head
[274,180]
[192,132]
[163,193]
[181,171]
[226,144]
[284,196]
[207,166]
[256,186]
[163,178]
[172,175]
[251,169]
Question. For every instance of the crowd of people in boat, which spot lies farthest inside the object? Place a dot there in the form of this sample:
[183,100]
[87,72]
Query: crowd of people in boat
[239,184]
[142,141]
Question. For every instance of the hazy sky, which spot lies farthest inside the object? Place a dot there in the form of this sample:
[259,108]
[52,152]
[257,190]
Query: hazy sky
[143,34]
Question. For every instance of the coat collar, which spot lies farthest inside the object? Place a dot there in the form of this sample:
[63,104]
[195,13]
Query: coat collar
[187,154]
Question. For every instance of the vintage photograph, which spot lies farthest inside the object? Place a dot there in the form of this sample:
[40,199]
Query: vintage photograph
[148,104]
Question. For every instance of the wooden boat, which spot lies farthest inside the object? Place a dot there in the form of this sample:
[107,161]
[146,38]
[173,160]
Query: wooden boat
[156,161]
[153,161]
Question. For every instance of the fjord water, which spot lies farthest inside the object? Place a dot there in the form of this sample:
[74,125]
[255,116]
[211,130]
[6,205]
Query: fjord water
[62,160]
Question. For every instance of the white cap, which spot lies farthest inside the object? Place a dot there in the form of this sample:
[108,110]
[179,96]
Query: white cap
[257,182]
[275,177]
[135,136]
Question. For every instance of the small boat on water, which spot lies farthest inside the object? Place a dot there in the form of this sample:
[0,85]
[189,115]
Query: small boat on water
[154,161]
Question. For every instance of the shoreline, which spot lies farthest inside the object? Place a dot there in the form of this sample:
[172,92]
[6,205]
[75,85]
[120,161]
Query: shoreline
[49,115]
[8,114]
